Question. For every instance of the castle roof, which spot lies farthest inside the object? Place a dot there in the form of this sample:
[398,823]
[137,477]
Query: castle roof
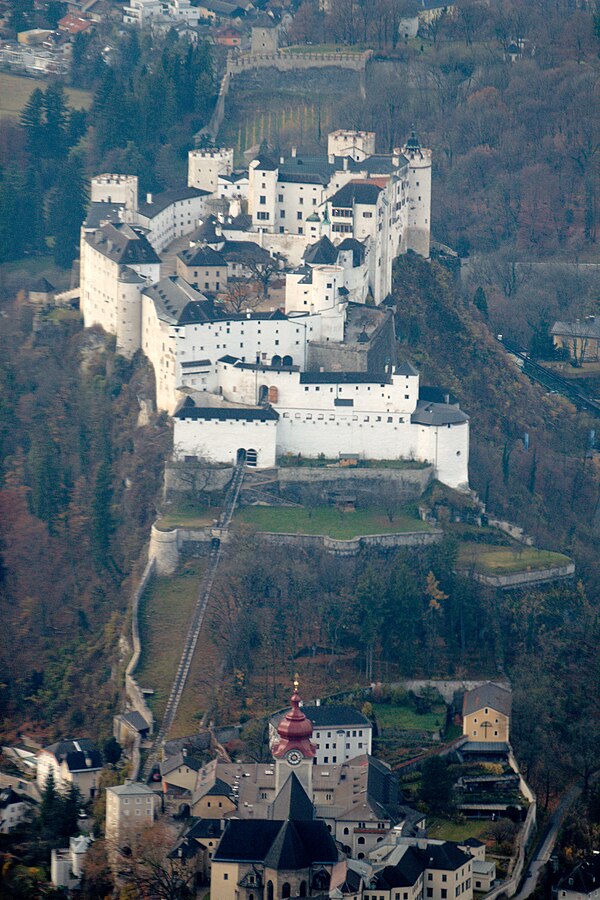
[202,256]
[223,413]
[159,202]
[178,303]
[123,243]
[322,252]
[363,192]
[336,715]
[437,414]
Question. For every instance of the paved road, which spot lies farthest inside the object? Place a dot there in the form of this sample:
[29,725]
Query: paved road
[546,843]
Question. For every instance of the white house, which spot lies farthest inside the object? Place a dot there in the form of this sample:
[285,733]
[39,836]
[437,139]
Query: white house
[171,214]
[72,763]
[15,810]
[66,864]
[340,732]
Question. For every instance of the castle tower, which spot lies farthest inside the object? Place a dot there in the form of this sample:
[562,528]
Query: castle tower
[419,195]
[294,751]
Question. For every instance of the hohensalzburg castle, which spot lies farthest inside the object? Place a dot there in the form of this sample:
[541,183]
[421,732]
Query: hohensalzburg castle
[315,372]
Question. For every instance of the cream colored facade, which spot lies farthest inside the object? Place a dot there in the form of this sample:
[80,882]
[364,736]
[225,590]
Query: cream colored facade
[486,724]
[130,808]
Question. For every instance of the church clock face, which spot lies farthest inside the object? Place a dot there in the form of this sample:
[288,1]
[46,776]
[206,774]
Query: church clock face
[293,757]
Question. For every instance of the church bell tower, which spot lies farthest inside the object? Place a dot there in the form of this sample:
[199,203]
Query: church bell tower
[294,752]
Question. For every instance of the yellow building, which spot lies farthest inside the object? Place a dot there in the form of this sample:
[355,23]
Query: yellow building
[486,713]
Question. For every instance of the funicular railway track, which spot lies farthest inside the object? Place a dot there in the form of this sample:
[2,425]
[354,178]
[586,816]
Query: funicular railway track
[550,380]
[195,626]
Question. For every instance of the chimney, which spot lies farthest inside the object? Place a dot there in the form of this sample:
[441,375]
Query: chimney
[331,159]
[446,398]
[281,160]
[148,198]
[318,702]
[345,164]
[294,151]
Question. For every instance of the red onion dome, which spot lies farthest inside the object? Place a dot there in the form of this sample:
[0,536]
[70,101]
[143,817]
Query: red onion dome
[295,726]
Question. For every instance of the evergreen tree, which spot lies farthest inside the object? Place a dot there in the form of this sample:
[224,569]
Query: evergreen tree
[480,301]
[112,750]
[56,122]
[66,210]
[49,808]
[32,120]
[44,474]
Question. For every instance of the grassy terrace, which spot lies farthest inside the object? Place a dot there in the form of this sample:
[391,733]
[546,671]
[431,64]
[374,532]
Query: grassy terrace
[489,560]
[15,91]
[188,518]
[447,830]
[329,521]
[404,718]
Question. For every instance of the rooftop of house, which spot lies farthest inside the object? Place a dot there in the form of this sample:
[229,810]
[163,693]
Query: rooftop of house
[322,252]
[178,303]
[8,797]
[584,878]
[490,695]
[135,720]
[100,213]
[588,327]
[356,192]
[78,755]
[199,829]
[123,243]
[130,789]
[330,715]
[179,760]
[159,202]
[202,256]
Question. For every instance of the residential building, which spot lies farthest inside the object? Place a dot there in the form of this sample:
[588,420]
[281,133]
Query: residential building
[16,810]
[486,713]
[130,808]
[582,882]
[579,338]
[66,865]
[71,763]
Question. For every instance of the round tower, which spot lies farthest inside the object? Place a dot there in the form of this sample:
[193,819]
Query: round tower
[294,752]
[419,195]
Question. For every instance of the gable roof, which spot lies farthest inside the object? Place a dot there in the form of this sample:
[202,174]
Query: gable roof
[160,201]
[202,256]
[446,856]
[584,878]
[123,243]
[292,802]
[42,286]
[79,755]
[136,720]
[438,414]
[490,695]
[322,252]
[356,192]
[405,873]
[579,328]
[204,828]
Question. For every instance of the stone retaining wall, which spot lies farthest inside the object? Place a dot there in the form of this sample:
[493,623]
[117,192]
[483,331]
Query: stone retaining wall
[133,691]
[289,62]
[519,579]
[351,547]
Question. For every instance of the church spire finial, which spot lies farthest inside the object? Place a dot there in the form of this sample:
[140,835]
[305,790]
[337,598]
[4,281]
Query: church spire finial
[296,683]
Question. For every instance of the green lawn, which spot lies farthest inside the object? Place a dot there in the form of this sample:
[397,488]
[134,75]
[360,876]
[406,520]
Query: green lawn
[189,518]
[447,830]
[505,560]
[323,48]
[15,91]
[329,521]
[405,718]
[165,612]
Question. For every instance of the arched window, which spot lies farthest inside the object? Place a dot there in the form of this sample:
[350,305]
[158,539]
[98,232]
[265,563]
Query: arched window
[251,457]
[286,890]
[302,892]
[287,360]
[276,361]
[251,897]
[360,856]
[269,890]
[346,831]
[361,840]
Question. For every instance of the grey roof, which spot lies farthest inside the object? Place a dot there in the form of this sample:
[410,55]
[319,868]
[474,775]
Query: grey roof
[356,192]
[42,286]
[123,243]
[8,797]
[136,720]
[99,213]
[345,378]
[405,368]
[129,788]
[76,754]
[285,845]
[292,802]
[206,232]
[446,856]
[202,256]
[579,328]
[245,252]
[178,303]
[336,715]
[437,414]
[485,747]
[166,198]
[584,878]
[488,695]
[266,164]
[436,395]
[322,252]
[171,763]
[222,413]
[204,828]
[130,276]
[405,873]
